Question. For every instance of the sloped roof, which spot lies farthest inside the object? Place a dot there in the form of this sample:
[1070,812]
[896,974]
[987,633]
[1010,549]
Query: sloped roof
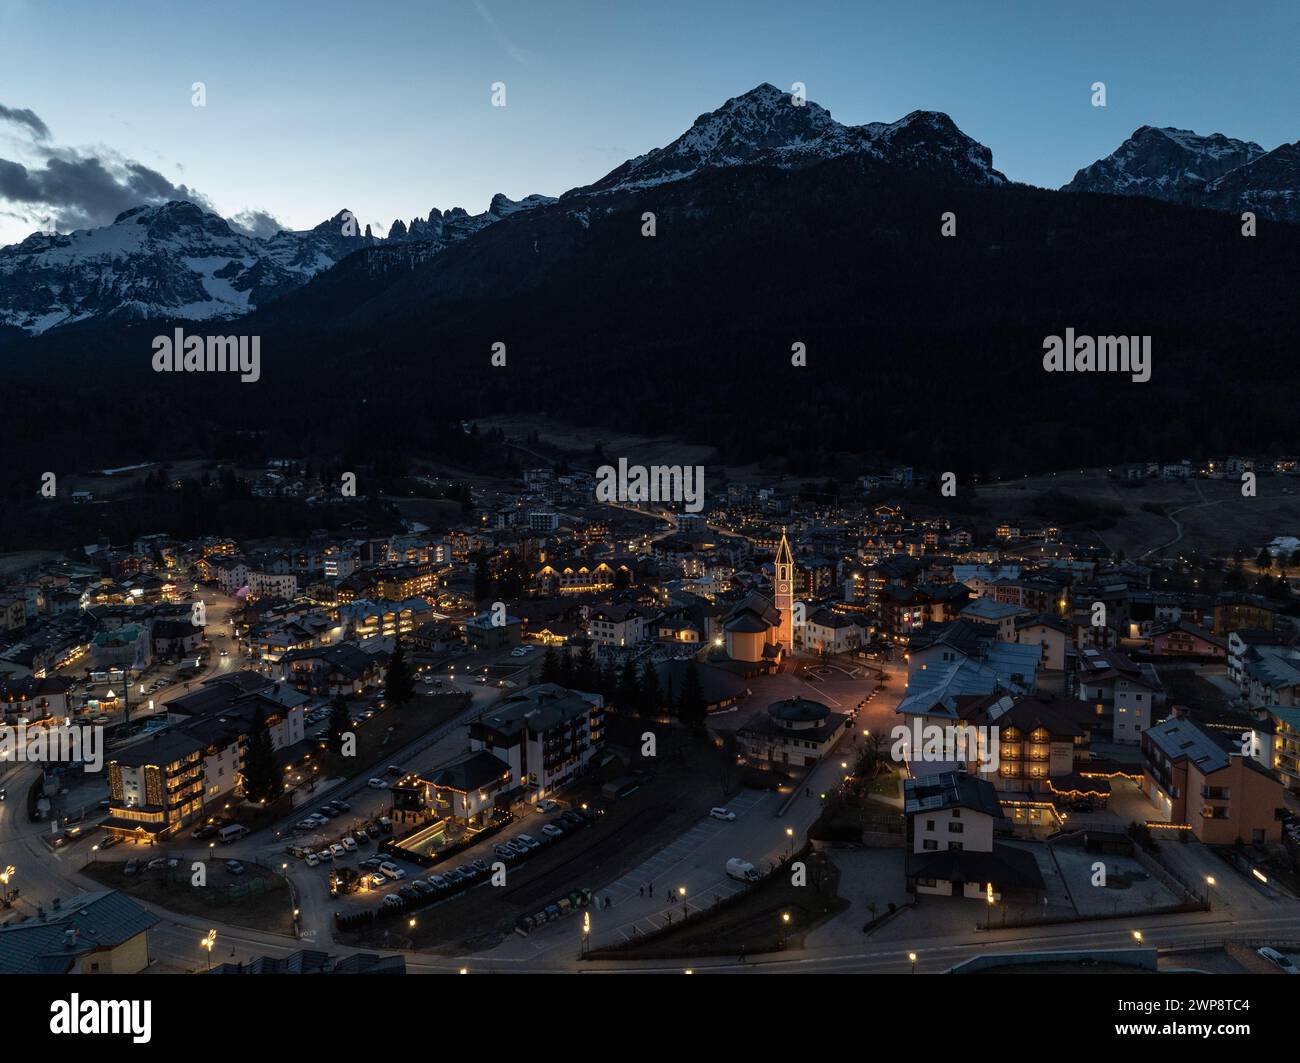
[87,923]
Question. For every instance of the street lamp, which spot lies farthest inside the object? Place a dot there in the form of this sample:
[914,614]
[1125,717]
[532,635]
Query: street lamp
[207,943]
[1209,886]
[912,957]
[1137,936]
[789,833]
[5,876]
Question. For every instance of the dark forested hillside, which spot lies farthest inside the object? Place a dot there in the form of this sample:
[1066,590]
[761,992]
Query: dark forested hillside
[921,348]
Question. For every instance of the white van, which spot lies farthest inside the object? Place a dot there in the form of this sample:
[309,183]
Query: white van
[232,833]
[742,869]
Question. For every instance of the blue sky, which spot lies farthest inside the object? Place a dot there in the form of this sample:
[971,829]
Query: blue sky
[384,107]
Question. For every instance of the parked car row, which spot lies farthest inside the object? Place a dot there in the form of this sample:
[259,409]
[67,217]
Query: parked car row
[523,845]
[326,812]
[432,886]
[349,843]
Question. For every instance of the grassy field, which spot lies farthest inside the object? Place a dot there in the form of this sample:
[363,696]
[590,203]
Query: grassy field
[772,916]
[258,899]
[1213,514]
[378,737]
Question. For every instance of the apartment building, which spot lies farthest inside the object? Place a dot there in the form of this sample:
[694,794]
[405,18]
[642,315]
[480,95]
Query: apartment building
[546,734]
[1210,783]
[618,625]
[1123,693]
[155,788]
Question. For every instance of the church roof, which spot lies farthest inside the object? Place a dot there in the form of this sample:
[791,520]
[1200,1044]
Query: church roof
[783,555]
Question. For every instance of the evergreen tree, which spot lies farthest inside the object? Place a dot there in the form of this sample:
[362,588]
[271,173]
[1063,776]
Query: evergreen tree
[263,777]
[1265,559]
[567,672]
[482,576]
[340,720]
[691,706]
[651,693]
[585,673]
[550,666]
[399,684]
[628,692]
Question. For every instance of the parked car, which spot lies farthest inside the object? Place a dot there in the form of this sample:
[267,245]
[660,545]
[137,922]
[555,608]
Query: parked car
[337,851]
[361,836]
[504,851]
[312,859]
[548,806]
[551,830]
[723,814]
[372,861]
[392,901]
[392,870]
[341,805]
[529,841]
[325,854]
[1278,960]
[408,893]
[376,881]
[385,825]
[438,882]
[329,811]
[203,833]
[159,863]
[372,830]
[234,867]
[423,887]
[393,769]
[349,843]
[377,784]
[131,868]
[455,877]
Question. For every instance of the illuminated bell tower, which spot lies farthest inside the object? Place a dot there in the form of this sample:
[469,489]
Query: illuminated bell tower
[783,596]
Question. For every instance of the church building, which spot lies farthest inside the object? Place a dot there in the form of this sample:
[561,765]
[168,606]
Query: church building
[759,629]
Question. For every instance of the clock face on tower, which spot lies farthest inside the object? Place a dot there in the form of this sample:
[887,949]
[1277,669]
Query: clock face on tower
[782,587]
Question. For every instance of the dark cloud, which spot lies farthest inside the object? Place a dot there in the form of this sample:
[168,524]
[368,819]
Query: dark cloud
[256,223]
[27,118]
[77,189]
[85,190]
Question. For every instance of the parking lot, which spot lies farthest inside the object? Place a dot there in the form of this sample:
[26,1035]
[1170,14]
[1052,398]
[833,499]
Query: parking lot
[383,875]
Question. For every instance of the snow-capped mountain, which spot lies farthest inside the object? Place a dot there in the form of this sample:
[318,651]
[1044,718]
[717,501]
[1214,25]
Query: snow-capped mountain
[767,127]
[1269,186]
[1179,166]
[174,260]
[180,261]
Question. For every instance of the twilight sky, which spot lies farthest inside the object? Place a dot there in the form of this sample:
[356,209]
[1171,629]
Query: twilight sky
[384,107]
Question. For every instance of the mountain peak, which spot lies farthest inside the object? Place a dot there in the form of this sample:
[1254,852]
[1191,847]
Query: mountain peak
[768,126]
[1164,162]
